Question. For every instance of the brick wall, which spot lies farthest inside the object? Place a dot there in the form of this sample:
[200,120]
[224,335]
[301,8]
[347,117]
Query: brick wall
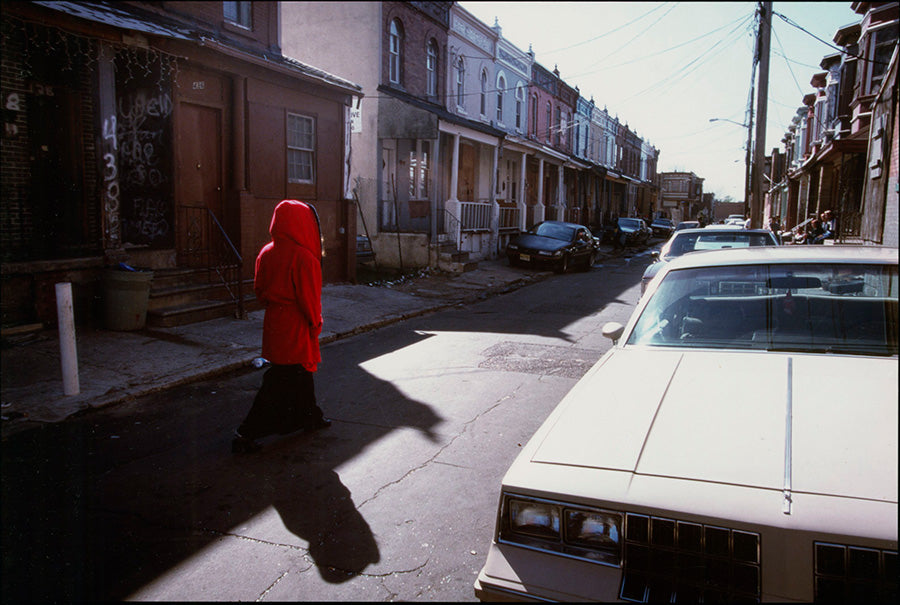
[418,28]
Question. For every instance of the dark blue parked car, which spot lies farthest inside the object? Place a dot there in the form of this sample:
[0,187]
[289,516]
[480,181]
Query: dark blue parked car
[555,244]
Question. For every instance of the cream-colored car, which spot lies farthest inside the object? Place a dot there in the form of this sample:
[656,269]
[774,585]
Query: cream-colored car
[738,442]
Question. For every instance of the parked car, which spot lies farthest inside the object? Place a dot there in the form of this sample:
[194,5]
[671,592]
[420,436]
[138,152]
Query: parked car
[737,442]
[633,232]
[687,225]
[556,244]
[662,227]
[693,240]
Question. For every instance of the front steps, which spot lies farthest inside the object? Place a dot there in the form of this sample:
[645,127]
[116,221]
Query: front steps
[184,296]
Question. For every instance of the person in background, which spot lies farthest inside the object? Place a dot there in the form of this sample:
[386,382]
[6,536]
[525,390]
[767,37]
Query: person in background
[288,281]
[829,228]
[813,231]
[775,227]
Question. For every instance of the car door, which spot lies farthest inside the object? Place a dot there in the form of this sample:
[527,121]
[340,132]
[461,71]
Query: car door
[581,245]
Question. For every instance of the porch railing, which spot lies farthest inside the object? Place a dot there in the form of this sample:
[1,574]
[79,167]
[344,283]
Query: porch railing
[204,244]
[509,218]
[475,216]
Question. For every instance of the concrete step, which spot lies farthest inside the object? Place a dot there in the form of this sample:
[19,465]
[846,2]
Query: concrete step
[198,310]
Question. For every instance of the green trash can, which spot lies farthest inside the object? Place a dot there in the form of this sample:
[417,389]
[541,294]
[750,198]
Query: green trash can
[126,298]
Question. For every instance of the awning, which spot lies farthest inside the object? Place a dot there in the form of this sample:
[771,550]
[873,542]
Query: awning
[111,14]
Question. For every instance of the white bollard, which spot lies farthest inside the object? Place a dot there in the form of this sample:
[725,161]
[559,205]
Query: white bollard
[67,351]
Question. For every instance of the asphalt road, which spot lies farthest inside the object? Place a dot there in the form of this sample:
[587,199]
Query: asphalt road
[396,501]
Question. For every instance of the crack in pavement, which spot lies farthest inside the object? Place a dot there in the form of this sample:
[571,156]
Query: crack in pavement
[465,427]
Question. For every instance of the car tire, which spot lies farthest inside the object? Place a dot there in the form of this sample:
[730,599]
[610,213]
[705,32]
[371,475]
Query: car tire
[563,266]
[589,261]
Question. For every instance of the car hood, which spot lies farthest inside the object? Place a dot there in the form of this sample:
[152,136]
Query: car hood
[539,242]
[722,417]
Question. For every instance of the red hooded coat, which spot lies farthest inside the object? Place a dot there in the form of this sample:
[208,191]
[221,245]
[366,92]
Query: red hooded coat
[289,284]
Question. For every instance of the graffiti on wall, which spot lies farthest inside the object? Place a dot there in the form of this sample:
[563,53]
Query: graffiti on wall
[143,131]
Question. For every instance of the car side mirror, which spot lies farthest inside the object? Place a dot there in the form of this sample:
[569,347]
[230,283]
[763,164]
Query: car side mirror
[654,254]
[613,330]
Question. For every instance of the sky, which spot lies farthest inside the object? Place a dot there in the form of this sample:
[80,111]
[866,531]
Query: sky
[667,68]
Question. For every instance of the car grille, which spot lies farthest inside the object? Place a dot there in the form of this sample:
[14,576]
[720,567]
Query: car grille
[853,574]
[670,560]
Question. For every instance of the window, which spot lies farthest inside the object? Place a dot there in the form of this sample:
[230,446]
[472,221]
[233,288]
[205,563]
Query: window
[238,13]
[534,115]
[394,53]
[419,170]
[484,81]
[301,148]
[460,82]
[882,43]
[431,69]
[557,126]
[520,99]
[501,86]
[549,120]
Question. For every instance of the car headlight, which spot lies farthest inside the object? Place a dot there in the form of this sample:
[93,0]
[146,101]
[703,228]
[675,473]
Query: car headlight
[581,532]
[549,253]
[513,247]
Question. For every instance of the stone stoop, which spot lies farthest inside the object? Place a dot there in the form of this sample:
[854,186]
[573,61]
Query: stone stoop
[452,260]
[184,296]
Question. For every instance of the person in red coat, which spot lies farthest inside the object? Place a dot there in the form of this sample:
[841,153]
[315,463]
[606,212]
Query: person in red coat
[288,282]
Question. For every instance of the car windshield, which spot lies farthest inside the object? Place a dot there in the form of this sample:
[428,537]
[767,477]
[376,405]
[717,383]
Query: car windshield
[631,223]
[713,240]
[555,231]
[816,308]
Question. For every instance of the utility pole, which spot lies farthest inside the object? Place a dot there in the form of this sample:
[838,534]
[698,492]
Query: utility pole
[759,150]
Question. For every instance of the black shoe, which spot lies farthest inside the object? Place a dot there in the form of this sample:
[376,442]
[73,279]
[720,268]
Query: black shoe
[321,423]
[242,445]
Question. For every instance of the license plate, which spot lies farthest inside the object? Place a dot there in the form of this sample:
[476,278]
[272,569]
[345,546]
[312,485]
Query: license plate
[525,258]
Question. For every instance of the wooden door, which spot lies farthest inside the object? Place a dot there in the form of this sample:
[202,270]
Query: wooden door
[200,180]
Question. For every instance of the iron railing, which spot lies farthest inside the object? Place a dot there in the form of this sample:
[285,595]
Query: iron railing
[475,216]
[509,218]
[204,244]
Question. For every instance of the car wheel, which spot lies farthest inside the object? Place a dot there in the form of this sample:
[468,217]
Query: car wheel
[589,261]
[563,266]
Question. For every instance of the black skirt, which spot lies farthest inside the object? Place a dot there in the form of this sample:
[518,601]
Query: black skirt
[285,403]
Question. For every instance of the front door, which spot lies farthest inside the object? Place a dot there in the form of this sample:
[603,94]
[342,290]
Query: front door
[199,183]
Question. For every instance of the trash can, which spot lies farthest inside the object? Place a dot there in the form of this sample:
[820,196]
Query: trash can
[126,297]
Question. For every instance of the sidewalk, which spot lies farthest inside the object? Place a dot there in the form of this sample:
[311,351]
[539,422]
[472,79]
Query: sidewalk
[118,366]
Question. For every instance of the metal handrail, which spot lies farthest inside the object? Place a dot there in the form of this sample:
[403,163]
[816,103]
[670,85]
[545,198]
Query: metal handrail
[219,253]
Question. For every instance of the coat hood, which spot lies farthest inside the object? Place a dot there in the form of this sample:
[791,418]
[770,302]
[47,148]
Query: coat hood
[298,223]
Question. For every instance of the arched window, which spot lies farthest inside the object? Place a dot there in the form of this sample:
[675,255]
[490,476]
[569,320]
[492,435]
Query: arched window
[520,99]
[501,87]
[484,81]
[549,122]
[431,68]
[394,52]
[460,82]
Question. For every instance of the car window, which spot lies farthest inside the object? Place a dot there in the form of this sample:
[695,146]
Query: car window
[631,223]
[818,308]
[693,242]
[555,231]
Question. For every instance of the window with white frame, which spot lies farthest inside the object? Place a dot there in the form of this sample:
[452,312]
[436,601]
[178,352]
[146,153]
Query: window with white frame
[501,87]
[394,52]
[431,68]
[881,45]
[460,82]
[419,170]
[484,85]
[301,148]
[238,13]
[520,100]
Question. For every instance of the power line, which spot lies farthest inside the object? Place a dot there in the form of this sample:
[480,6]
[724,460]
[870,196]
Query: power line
[612,31]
